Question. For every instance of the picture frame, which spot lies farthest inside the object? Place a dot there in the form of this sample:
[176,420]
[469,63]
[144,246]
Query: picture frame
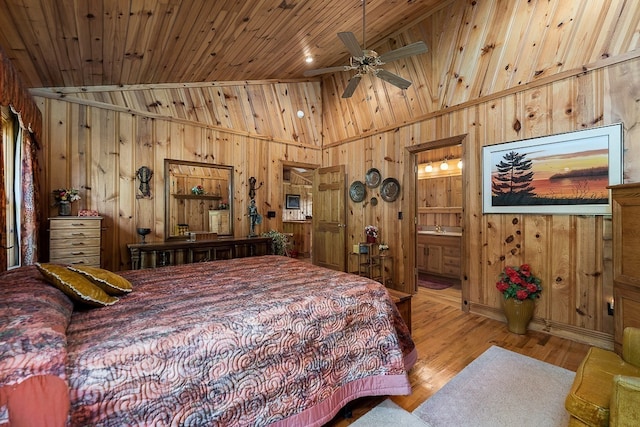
[292,201]
[566,173]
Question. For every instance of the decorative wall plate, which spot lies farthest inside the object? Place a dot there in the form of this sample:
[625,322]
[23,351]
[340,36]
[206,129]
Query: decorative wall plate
[390,190]
[373,178]
[357,191]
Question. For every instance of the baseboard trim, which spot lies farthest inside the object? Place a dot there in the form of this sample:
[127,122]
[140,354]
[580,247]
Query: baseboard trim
[574,333]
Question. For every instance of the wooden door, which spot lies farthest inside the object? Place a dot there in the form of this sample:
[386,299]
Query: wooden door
[329,218]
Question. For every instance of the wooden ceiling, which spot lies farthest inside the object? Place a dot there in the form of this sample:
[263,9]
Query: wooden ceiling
[71,43]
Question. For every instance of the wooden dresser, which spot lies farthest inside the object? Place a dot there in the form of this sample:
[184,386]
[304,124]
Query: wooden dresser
[175,252]
[626,262]
[75,240]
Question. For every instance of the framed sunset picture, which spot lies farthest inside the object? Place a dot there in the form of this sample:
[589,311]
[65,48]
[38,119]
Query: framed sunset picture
[558,174]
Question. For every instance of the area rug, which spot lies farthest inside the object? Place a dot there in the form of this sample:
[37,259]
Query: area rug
[430,282]
[499,388]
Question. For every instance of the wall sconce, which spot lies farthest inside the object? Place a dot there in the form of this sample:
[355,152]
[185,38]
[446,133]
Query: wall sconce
[444,165]
[144,174]
[428,168]
[460,164]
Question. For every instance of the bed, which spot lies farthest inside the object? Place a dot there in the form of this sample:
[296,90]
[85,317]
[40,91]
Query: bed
[257,341]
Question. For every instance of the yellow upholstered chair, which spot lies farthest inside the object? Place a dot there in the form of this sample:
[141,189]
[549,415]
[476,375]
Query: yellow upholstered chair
[606,389]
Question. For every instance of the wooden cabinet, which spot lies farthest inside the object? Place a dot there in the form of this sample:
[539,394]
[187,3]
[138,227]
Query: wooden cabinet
[438,254]
[75,240]
[626,263]
[421,253]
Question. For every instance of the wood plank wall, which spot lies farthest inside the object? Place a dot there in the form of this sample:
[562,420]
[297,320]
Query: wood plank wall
[96,140]
[496,71]
[501,71]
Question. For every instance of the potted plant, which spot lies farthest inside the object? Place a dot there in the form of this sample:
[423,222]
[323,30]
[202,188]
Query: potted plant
[279,242]
[371,231]
[198,190]
[520,288]
[63,198]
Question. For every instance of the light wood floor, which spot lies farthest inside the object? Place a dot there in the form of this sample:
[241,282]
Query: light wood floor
[448,339]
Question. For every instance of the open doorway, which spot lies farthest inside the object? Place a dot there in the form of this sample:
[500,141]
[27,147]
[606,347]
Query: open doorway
[439,222]
[434,179]
[297,208]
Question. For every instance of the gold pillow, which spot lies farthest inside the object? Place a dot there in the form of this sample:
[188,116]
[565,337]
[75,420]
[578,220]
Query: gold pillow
[75,286]
[106,280]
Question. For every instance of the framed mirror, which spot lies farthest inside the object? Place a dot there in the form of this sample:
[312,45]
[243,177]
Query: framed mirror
[198,198]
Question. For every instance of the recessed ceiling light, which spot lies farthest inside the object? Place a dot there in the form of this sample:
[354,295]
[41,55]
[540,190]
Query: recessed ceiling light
[300,114]
[309,59]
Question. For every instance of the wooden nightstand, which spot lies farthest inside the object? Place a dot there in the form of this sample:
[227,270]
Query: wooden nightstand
[403,302]
[75,240]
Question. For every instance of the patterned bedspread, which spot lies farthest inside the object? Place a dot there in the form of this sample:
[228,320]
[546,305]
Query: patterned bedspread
[251,341]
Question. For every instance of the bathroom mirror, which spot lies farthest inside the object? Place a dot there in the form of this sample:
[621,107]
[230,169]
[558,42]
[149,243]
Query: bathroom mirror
[198,198]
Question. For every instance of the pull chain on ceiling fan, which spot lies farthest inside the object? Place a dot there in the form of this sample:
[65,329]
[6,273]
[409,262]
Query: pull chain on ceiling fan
[368,61]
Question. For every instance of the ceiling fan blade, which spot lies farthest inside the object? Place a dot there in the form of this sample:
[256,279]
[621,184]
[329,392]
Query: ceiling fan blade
[311,73]
[393,79]
[350,41]
[351,87]
[408,50]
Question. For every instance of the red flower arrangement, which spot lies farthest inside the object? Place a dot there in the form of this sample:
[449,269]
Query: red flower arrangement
[519,283]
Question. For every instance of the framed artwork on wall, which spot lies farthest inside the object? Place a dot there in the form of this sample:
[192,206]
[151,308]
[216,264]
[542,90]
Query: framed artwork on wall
[566,173]
[292,201]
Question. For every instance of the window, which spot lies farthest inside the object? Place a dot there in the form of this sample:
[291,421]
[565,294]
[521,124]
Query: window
[12,183]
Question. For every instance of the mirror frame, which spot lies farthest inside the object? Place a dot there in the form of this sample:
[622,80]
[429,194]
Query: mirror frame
[167,194]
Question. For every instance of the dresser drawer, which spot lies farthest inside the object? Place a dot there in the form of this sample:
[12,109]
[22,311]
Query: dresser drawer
[74,223]
[75,234]
[451,270]
[93,261]
[451,251]
[77,252]
[58,244]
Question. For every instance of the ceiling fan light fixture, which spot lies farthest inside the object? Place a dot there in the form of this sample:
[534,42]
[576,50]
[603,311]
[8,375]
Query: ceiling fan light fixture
[308,59]
[367,61]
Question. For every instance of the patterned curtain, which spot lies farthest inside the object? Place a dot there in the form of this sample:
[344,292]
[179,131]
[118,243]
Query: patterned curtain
[3,203]
[14,93]
[29,235]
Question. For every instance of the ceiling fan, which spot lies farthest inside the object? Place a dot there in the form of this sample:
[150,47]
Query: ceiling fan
[366,61]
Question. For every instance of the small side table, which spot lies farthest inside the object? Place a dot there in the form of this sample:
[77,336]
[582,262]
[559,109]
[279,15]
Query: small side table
[403,302]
